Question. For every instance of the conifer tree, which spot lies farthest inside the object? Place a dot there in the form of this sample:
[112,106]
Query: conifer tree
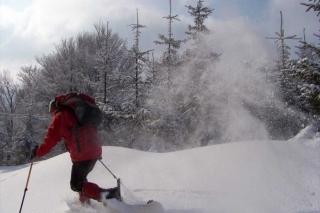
[172,43]
[284,76]
[316,7]
[140,60]
[170,57]
[283,47]
[201,52]
[307,69]
[200,13]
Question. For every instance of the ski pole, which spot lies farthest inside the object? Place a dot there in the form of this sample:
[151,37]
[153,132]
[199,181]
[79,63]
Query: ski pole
[107,169]
[118,179]
[26,189]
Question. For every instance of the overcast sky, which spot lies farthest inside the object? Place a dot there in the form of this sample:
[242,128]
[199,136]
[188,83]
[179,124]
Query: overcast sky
[30,28]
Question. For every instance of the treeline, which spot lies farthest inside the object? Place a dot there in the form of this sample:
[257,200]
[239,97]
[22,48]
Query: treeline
[169,103]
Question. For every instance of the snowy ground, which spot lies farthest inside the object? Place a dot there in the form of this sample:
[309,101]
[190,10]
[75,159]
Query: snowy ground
[242,177]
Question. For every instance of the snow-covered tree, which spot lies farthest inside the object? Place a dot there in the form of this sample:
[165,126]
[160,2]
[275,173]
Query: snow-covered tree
[315,6]
[307,74]
[200,13]
[307,69]
[201,51]
[8,106]
[10,124]
[56,68]
[71,68]
[108,59]
[172,44]
[284,77]
[170,56]
[283,47]
[142,73]
[34,105]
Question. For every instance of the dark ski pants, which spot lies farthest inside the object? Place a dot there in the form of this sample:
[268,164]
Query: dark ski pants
[79,182]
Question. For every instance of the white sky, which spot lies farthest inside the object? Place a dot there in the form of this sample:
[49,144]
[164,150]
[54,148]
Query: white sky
[30,28]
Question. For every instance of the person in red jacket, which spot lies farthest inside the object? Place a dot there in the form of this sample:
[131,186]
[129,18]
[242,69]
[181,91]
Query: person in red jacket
[83,145]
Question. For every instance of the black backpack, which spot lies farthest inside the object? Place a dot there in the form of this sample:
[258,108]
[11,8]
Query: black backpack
[84,107]
[85,110]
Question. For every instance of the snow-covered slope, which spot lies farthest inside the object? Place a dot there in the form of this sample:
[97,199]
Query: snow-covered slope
[260,176]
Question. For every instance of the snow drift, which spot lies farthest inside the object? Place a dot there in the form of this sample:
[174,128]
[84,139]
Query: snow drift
[257,176]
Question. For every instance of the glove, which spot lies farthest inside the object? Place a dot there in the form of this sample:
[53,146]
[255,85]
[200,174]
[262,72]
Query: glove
[33,152]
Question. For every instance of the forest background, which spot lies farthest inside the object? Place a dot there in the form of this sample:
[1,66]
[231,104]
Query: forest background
[204,88]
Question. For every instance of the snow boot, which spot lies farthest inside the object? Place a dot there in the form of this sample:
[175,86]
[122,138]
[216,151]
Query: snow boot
[111,193]
[91,190]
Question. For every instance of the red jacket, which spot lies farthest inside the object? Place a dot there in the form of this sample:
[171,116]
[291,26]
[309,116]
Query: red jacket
[62,127]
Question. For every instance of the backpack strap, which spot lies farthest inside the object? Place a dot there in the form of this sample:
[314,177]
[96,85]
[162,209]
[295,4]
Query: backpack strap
[74,130]
[76,137]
